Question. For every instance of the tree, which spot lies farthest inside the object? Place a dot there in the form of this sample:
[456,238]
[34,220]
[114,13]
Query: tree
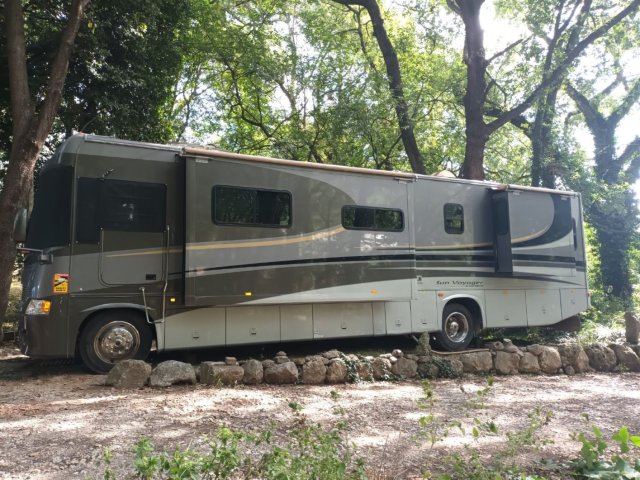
[31,120]
[405,122]
[613,212]
[478,89]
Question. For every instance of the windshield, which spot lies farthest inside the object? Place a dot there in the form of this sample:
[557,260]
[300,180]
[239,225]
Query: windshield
[49,225]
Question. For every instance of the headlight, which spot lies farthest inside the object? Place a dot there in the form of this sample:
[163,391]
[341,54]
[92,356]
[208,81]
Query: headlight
[38,307]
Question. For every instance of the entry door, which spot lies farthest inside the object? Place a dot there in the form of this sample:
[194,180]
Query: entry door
[128,220]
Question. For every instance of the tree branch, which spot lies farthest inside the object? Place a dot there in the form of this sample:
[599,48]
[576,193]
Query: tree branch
[59,69]
[632,152]
[22,108]
[627,102]
[507,49]
[557,74]
[593,118]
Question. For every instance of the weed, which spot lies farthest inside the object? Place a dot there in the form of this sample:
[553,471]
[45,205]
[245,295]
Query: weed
[594,462]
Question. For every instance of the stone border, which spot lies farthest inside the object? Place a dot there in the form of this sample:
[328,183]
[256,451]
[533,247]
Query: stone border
[334,367]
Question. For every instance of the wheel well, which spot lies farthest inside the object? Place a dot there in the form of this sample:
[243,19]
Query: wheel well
[473,307]
[93,314]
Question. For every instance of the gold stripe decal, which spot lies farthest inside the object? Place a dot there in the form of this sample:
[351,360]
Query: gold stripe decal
[268,243]
[251,244]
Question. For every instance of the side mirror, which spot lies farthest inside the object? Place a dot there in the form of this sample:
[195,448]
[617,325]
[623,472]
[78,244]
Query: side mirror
[20,225]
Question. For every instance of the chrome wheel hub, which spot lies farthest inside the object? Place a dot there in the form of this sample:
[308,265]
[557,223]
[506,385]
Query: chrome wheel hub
[456,327]
[116,341]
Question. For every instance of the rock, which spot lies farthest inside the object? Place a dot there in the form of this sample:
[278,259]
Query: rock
[314,371]
[405,367]
[364,371]
[573,355]
[196,369]
[129,374]
[381,368]
[601,357]
[509,346]
[215,373]
[281,354]
[535,349]
[476,362]
[411,356]
[569,370]
[299,361]
[253,372]
[283,373]
[507,363]
[336,371]
[230,361]
[632,327]
[636,348]
[172,372]
[550,361]
[626,357]
[455,366]
[280,360]
[494,345]
[529,363]
[428,370]
[331,354]
[268,364]
[397,353]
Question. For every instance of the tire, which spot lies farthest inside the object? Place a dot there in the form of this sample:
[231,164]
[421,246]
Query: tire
[113,336]
[458,328]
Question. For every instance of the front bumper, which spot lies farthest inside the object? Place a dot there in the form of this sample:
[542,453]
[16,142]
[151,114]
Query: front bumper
[40,336]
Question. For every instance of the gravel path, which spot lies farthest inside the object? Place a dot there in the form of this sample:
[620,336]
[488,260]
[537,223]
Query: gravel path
[56,420]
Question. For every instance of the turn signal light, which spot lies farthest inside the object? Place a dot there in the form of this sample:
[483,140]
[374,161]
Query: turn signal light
[38,307]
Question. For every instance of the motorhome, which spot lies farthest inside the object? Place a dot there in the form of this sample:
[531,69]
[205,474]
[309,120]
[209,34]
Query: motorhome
[133,246]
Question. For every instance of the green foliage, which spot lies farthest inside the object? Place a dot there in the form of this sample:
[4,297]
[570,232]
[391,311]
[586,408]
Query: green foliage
[309,452]
[594,462]
[469,464]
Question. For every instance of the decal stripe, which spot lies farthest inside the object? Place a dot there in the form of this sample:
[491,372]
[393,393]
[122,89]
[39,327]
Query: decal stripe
[465,260]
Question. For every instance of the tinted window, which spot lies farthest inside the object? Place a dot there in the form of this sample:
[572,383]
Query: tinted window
[370,218]
[250,207]
[50,220]
[453,218]
[119,205]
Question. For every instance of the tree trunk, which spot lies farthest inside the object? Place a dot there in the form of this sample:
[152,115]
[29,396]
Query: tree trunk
[542,143]
[30,128]
[615,231]
[394,76]
[476,93]
[14,195]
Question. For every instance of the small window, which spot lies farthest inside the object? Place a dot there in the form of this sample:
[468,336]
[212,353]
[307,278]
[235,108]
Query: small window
[250,207]
[369,218]
[453,218]
[119,205]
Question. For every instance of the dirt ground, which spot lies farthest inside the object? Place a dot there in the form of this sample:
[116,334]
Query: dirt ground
[56,420]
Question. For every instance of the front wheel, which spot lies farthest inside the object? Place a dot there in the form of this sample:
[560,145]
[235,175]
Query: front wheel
[113,336]
[458,328]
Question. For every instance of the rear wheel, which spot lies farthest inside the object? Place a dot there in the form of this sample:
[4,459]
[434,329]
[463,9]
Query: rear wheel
[113,336]
[458,328]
